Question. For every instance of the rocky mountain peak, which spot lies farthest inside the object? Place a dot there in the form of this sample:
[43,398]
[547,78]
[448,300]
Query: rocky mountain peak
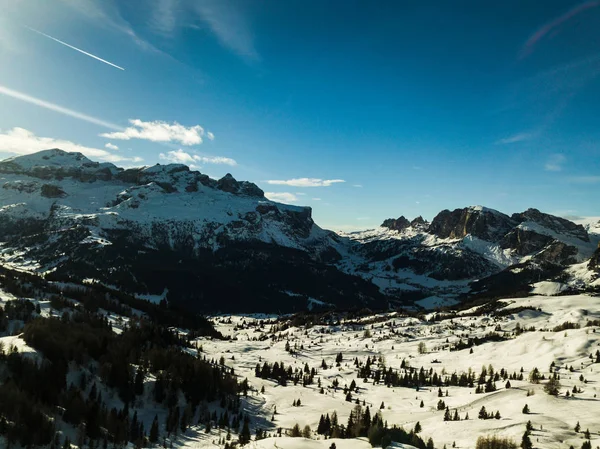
[481,222]
[401,223]
[56,164]
[398,224]
[553,223]
[419,223]
[229,184]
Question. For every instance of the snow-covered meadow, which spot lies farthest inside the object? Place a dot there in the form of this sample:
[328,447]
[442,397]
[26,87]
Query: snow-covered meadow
[392,338]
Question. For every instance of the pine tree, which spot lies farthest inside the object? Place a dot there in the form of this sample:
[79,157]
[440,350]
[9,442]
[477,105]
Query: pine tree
[447,414]
[526,441]
[577,427]
[483,413]
[526,409]
[245,433]
[139,381]
[418,428]
[154,430]
[321,426]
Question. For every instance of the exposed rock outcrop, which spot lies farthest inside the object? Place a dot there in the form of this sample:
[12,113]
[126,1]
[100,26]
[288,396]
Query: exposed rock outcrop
[557,224]
[398,224]
[483,223]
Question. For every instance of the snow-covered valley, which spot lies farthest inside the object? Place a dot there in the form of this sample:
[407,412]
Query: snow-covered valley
[436,371]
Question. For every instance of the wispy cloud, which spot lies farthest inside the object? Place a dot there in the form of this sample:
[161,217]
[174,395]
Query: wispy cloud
[164,16]
[7,41]
[111,146]
[22,141]
[306,182]
[545,95]
[281,197]
[217,160]
[316,199]
[551,26]
[357,185]
[159,131]
[105,13]
[515,138]
[56,108]
[181,157]
[229,25]
[75,48]
[555,162]
[584,179]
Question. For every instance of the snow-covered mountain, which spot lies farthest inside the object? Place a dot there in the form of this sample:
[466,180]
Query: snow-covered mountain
[216,244]
[221,245]
[474,251]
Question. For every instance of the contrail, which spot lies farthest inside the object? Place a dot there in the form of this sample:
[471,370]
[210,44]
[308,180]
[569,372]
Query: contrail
[56,108]
[75,48]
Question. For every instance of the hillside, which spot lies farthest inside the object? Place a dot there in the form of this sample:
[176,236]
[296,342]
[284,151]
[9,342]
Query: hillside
[106,368]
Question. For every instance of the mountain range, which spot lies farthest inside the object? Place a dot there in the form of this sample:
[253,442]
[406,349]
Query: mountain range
[166,232]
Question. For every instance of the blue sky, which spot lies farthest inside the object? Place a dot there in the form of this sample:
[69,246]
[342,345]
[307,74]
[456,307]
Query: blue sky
[363,110]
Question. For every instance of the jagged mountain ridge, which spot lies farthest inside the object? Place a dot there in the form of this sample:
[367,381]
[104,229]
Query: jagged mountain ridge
[215,244]
[490,250]
[221,245]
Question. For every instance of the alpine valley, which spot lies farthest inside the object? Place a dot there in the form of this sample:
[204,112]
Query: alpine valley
[166,232]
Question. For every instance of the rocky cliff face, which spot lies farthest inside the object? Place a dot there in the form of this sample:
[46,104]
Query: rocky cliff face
[480,222]
[398,224]
[471,251]
[559,225]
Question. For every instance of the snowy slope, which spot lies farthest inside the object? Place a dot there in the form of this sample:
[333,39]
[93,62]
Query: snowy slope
[395,338]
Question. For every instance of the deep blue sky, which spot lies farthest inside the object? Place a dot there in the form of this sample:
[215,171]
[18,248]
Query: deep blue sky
[418,106]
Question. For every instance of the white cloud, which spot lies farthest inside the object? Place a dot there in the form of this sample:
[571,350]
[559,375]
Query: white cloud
[306,182]
[177,157]
[554,162]
[300,193]
[363,218]
[281,197]
[159,131]
[111,146]
[316,199]
[210,135]
[21,141]
[229,25]
[56,108]
[181,157]
[520,137]
[217,160]
[357,185]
